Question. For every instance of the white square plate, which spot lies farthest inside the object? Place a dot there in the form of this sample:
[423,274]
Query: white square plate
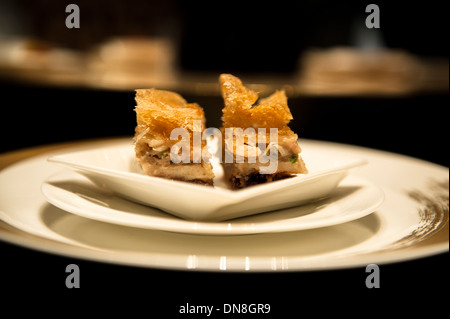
[115,168]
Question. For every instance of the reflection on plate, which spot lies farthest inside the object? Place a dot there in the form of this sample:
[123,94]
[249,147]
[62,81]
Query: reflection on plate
[236,252]
[353,199]
[115,168]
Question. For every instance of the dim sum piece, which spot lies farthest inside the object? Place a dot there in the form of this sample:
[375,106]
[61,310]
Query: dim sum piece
[259,145]
[159,113]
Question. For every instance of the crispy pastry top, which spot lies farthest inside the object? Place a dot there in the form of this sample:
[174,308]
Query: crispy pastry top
[241,111]
[162,111]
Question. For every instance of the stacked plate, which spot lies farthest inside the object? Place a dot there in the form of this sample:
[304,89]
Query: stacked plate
[357,206]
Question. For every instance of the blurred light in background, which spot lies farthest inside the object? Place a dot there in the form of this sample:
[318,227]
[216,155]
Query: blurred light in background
[316,47]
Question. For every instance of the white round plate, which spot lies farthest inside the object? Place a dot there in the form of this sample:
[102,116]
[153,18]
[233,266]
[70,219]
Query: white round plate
[354,198]
[412,222]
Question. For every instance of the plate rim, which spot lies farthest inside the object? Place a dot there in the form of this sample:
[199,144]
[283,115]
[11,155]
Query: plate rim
[21,238]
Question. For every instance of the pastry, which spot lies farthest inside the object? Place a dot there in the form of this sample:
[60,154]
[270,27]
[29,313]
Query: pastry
[168,140]
[258,145]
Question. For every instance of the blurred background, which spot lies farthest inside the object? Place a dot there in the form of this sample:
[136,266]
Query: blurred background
[384,88]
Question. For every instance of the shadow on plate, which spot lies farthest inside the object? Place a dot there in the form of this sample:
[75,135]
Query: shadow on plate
[119,238]
[103,197]
[294,212]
